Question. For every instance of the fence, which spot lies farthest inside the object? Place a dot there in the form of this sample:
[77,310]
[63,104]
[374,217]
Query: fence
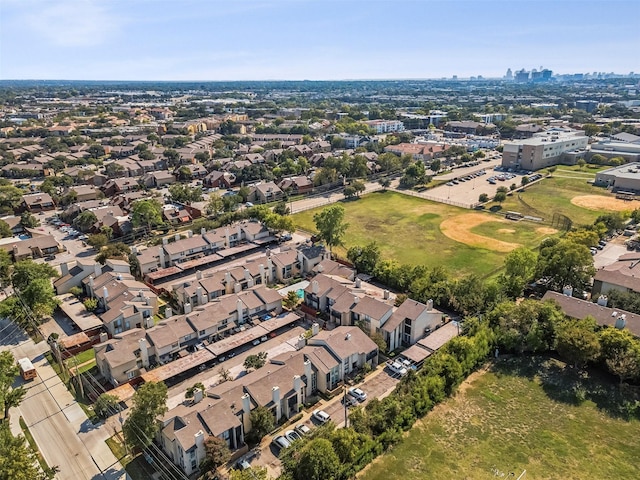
[438,199]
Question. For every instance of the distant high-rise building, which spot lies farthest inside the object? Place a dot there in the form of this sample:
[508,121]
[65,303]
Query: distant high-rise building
[522,76]
[509,75]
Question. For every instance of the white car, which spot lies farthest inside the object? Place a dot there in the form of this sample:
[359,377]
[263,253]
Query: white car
[302,429]
[321,416]
[357,394]
[292,436]
[397,368]
[281,442]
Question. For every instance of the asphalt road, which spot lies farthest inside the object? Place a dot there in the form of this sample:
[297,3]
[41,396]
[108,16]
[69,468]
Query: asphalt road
[62,431]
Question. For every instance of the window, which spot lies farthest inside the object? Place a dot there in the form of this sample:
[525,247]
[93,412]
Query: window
[130,375]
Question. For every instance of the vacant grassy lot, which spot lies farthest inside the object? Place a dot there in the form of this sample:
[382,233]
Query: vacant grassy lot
[553,195]
[530,413]
[407,229]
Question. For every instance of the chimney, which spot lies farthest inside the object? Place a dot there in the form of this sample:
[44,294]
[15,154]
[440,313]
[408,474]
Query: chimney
[429,305]
[168,312]
[237,288]
[356,299]
[105,294]
[97,269]
[308,373]
[198,395]
[227,240]
[315,287]
[358,282]
[621,321]
[176,237]
[200,296]
[103,337]
[199,440]
[239,232]
[268,252]
[134,250]
[203,231]
[246,404]
[91,285]
[320,268]
[64,269]
[199,275]
[275,397]
[144,352]
[187,308]
[239,311]
[262,273]
[603,300]
[567,291]
[161,255]
[165,241]
[247,274]
[189,233]
[315,328]
[347,336]
[385,294]
[297,383]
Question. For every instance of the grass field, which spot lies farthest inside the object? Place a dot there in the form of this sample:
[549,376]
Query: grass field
[407,229]
[521,414]
[554,195]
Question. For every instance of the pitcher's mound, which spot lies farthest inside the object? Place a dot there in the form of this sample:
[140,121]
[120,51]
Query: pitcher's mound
[458,228]
[599,202]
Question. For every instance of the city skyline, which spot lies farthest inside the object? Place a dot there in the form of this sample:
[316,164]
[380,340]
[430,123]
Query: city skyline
[285,40]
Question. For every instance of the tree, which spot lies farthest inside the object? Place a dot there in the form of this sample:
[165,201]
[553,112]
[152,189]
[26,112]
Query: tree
[244,193]
[565,263]
[96,151]
[254,362]
[578,341]
[230,202]
[97,240]
[291,300]
[185,193]
[520,268]
[591,129]
[225,375]
[107,231]
[146,213]
[366,258]
[581,163]
[349,192]
[612,221]
[172,156]
[215,205]
[525,181]
[85,221]
[184,174]
[500,197]
[483,198]
[106,405]
[5,229]
[17,460]
[385,183]
[217,453]
[9,396]
[262,422]
[149,403]
[90,304]
[436,165]
[191,390]
[358,186]
[113,250]
[621,353]
[331,226]
[29,221]
[317,460]
[253,473]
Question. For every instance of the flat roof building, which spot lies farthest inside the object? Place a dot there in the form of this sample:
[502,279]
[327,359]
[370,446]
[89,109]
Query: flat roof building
[542,150]
[623,178]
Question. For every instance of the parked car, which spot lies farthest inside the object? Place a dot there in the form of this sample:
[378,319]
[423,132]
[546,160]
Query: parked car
[302,429]
[349,401]
[292,436]
[397,368]
[358,394]
[321,416]
[281,442]
[48,258]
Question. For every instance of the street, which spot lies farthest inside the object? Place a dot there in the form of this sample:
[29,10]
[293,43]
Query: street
[62,431]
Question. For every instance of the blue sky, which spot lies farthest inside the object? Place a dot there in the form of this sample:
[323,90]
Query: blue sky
[315,40]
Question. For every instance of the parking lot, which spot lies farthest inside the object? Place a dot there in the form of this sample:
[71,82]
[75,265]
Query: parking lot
[378,384]
[465,189]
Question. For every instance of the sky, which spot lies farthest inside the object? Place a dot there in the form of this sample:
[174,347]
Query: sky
[313,39]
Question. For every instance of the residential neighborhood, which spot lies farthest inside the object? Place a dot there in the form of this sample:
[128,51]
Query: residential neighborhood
[315,279]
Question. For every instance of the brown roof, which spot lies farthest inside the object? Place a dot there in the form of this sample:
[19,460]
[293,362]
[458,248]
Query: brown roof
[624,273]
[185,244]
[345,341]
[409,309]
[371,307]
[605,316]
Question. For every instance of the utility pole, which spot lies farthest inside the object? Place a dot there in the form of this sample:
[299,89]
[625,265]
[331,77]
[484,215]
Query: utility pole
[346,416]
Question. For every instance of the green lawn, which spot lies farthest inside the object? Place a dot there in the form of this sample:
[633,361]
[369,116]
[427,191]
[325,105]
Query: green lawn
[81,358]
[553,195]
[407,229]
[531,413]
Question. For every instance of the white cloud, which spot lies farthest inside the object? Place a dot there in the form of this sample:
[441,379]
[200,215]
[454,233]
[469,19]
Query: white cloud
[72,23]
